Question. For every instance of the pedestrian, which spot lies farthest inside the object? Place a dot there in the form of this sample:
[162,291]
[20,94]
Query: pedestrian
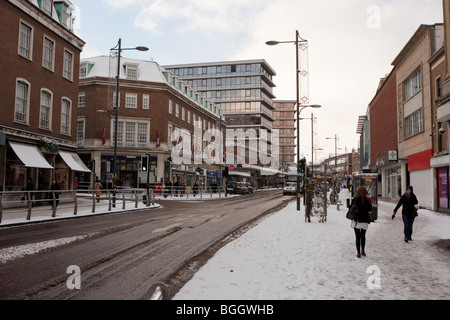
[362,220]
[55,188]
[29,189]
[409,211]
[195,189]
[98,189]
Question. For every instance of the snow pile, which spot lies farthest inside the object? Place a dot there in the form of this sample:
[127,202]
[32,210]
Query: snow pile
[17,252]
[284,258]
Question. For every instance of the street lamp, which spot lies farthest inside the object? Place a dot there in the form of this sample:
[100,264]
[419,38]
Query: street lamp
[297,41]
[335,151]
[118,48]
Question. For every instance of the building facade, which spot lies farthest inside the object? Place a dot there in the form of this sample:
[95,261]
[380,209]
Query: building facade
[159,116]
[244,91]
[414,111]
[383,141]
[39,55]
[440,90]
[284,114]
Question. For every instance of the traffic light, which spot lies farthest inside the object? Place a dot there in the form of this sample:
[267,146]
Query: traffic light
[302,166]
[225,172]
[144,163]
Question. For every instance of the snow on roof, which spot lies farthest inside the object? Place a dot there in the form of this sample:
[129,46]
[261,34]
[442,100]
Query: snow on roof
[147,71]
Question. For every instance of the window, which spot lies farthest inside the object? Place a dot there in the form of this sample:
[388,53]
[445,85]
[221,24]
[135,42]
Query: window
[80,132]
[65,116]
[132,134]
[114,99]
[83,70]
[169,135]
[413,85]
[414,123]
[438,87]
[81,99]
[146,102]
[142,135]
[48,56]
[131,71]
[46,6]
[177,110]
[46,108]
[183,114]
[67,16]
[170,107]
[68,65]
[131,100]
[25,41]
[189,116]
[22,101]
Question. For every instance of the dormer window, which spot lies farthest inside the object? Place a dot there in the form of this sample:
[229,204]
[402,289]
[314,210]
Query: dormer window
[131,71]
[64,10]
[46,6]
[85,68]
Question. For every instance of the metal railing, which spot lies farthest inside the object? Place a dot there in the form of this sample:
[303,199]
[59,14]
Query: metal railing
[187,192]
[14,202]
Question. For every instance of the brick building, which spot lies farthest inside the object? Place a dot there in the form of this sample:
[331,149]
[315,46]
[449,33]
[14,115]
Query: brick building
[440,92]
[39,63]
[414,111]
[156,112]
[383,141]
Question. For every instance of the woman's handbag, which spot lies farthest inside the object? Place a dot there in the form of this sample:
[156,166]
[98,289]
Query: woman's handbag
[352,212]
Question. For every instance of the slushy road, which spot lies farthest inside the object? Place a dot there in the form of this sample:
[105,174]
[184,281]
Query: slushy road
[120,256]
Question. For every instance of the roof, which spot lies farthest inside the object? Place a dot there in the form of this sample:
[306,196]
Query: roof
[413,41]
[106,67]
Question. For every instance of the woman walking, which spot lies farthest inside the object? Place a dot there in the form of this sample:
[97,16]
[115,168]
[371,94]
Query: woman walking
[409,211]
[362,220]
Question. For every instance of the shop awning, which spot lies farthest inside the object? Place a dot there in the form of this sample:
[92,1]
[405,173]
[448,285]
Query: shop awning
[30,156]
[73,161]
[239,173]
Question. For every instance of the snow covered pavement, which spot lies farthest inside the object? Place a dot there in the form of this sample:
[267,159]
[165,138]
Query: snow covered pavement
[284,258]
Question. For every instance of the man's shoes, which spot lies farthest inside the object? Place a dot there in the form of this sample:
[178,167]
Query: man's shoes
[358,255]
[363,253]
[406,240]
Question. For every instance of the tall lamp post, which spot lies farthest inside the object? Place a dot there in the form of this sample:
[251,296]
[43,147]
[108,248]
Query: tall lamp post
[335,151]
[297,41]
[118,48]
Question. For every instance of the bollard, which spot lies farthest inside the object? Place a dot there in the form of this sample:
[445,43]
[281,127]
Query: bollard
[54,205]
[1,206]
[159,291]
[29,204]
[93,202]
[75,209]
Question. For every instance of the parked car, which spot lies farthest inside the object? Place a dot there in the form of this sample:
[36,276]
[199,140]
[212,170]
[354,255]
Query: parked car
[249,187]
[232,187]
[242,188]
[290,188]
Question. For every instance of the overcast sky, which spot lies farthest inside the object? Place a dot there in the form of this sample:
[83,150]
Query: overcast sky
[352,44]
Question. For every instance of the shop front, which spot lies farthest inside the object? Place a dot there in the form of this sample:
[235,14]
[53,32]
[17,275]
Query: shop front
[441,167]
[27,163]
